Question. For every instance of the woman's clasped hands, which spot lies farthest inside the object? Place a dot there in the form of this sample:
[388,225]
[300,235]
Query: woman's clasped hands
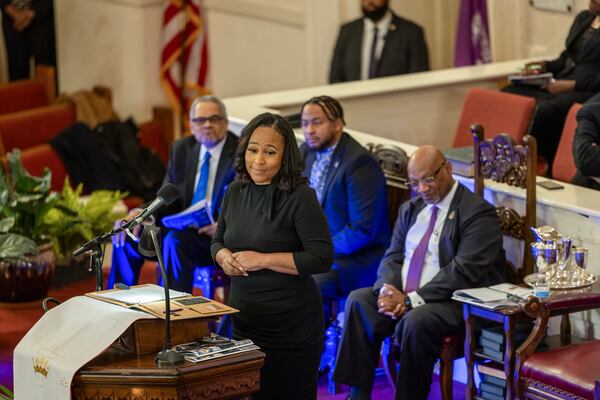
[242,262]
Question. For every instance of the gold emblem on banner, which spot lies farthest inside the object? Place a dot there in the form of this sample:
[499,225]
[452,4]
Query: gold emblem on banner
[40,365]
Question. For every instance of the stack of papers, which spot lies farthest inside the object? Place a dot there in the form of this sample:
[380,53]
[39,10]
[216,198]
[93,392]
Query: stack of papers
[494,297]
[214,346]
[531,79]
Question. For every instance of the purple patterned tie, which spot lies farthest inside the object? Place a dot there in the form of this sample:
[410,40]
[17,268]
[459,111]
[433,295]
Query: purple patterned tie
[418,258]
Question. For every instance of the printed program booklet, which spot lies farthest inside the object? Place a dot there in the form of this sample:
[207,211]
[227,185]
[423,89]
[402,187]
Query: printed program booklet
[494,297]
[531,79]
[195,216]
[213,346]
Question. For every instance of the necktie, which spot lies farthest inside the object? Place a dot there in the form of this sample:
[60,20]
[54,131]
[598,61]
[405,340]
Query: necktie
[319,171]
[418,258]
[373,56]
[202,186]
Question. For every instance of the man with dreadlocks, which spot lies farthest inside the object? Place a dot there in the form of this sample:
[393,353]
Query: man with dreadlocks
[350,186]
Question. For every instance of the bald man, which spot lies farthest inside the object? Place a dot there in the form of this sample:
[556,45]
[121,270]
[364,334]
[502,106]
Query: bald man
[446,238]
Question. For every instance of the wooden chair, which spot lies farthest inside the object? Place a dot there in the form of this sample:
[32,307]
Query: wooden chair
[501,160]
[563,167]
[393,161]
[571,370]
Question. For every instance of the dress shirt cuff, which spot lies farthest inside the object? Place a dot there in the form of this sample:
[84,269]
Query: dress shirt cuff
[415,299]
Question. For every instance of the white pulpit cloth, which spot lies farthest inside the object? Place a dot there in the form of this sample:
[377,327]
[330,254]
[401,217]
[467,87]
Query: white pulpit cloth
[62,341]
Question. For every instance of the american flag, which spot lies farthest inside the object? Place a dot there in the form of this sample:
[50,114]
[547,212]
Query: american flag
[184,53]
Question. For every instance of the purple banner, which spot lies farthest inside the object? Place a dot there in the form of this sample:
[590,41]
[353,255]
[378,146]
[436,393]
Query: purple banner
[472,35]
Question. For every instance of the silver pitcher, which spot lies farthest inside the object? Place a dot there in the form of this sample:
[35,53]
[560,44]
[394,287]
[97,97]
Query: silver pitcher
[549,249]
[552,256]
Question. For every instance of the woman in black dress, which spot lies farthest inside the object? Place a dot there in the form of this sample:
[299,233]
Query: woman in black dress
[271,237]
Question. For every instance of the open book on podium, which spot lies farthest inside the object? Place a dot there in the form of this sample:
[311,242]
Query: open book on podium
[150,298]
[195,216]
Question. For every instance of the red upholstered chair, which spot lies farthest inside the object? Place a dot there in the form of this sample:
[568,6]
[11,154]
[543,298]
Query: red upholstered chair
[22,95]
[567,372]
[499,112]
[29,128]
[563,167]
[36,159]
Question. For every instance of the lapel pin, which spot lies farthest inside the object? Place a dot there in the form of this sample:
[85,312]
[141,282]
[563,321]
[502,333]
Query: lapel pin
[392,27]
[451,215]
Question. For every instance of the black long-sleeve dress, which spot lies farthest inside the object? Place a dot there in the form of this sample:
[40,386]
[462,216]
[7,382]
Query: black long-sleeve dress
[282,313]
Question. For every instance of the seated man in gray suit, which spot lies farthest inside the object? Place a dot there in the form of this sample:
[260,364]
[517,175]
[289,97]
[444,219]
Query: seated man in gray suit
[380,44]
[445,239]
[201,166]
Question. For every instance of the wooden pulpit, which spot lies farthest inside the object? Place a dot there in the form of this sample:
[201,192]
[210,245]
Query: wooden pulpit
[127,369]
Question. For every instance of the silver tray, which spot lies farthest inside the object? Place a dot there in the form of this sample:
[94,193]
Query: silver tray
[583,282]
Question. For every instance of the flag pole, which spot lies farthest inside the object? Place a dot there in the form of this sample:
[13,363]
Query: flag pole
[182,40]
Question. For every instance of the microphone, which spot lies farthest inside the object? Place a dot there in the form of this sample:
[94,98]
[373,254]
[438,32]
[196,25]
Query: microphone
[166,195]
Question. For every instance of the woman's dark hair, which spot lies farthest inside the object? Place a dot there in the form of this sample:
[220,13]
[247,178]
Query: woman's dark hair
[330,106]
[290,173]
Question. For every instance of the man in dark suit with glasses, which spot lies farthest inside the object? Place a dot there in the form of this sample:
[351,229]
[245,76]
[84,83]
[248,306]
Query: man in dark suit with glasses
[446,238]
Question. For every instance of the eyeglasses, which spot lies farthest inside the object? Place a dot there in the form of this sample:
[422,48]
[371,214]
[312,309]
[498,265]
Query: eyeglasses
[213,119]
[428,180]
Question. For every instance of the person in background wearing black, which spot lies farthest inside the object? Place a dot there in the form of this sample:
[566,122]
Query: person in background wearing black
[28,27]
[586,145]
[379,44]
[576,79]
[272,236]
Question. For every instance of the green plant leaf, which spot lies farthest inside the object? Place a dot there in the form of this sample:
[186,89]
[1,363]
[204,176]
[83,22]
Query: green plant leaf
[6,394]
[6,224]
[14,246]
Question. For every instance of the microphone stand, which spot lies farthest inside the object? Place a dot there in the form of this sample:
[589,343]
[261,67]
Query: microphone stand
[94,249]
[166,357]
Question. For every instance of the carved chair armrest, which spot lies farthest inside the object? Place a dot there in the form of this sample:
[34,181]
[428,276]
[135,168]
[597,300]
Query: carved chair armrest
[543,310]
[571,302]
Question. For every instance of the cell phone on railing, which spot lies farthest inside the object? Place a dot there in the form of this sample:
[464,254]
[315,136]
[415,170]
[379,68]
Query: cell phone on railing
[550,185]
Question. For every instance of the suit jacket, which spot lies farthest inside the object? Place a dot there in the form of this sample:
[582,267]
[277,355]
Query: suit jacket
[404,51]
[586,71]
[470,248]
[586,144]
[355,203]
[182,168]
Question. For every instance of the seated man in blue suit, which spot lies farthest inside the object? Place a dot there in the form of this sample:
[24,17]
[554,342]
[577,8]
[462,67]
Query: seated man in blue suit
[201,167]
[351,188]
[445,239]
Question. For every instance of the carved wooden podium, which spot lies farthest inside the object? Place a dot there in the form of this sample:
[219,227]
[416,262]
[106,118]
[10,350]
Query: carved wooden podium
[119,374]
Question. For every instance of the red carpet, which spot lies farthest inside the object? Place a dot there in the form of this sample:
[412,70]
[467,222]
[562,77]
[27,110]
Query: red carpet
[18,318]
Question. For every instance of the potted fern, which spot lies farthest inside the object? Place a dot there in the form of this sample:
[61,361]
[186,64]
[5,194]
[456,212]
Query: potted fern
[27,261]
[37,226]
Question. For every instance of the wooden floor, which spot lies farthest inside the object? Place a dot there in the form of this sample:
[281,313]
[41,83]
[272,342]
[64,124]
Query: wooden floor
[17,318]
